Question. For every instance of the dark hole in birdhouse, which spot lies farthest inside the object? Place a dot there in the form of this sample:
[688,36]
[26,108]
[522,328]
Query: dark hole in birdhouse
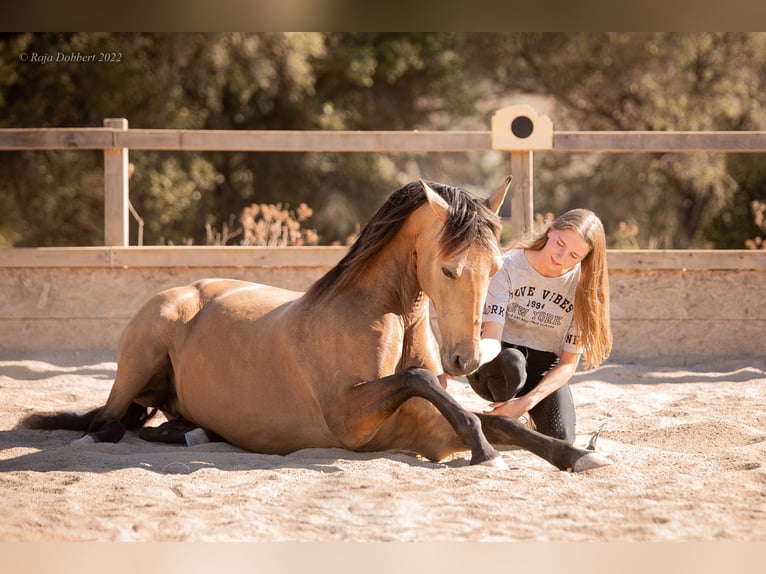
[522,127]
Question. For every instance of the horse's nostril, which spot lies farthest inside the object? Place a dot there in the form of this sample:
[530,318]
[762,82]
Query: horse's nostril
[459,363]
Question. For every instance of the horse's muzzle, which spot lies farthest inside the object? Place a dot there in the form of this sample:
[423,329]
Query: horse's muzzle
[459,364]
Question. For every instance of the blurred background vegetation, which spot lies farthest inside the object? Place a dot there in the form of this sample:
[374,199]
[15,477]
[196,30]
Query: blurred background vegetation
[381,81]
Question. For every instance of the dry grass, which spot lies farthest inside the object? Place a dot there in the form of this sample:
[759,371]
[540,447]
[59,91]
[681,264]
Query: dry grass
[268,225]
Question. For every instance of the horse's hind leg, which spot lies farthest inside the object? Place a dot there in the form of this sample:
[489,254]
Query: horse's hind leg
[370,404]
[143,382]
[178,431]
[111,430]
[564,456]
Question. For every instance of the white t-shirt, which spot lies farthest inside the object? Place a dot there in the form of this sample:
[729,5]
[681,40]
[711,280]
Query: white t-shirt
[536,311]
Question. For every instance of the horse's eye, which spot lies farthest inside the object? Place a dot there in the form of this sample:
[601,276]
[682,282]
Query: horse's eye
[448,273]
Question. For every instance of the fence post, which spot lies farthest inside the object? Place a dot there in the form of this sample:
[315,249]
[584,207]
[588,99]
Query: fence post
[116,189]
[522,196]
[520,130]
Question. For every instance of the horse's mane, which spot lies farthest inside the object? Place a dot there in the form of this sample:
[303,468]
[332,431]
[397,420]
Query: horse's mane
[469,220]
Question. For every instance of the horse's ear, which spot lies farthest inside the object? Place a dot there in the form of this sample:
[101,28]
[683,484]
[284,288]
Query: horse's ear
[437,202]
[495,200]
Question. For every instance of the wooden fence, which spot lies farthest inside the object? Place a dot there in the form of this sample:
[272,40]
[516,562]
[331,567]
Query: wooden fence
[518,130]
[679,306]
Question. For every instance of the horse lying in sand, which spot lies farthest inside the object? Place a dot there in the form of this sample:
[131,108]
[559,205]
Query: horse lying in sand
[351,363]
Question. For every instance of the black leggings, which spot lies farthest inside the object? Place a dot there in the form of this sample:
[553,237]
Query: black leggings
[515,372]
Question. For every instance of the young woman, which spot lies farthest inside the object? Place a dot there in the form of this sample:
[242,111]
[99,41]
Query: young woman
[547,306]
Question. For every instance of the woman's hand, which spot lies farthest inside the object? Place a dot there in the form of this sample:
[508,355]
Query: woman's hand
[514,408]
[555,379]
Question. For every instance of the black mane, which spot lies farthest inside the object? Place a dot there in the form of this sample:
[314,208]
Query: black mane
[468,220]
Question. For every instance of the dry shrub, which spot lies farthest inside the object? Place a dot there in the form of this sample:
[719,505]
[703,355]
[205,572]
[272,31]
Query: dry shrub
[759,218]
[276,225]
[266,225]
[625,236]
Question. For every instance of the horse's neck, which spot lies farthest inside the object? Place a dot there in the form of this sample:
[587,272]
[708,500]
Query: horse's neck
[391,284]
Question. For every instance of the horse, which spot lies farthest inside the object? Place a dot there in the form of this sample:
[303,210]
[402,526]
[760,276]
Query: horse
[350,363]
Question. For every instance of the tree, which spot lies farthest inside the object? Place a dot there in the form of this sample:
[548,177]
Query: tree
[378,81]
[220,81]
[657,81]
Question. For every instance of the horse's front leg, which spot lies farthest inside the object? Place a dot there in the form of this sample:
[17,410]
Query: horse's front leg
[508,431]
[368,405]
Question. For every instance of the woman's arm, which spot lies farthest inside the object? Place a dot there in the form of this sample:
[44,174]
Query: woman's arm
[556,378]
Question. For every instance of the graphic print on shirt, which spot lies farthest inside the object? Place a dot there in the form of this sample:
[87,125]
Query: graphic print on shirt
[537,311]
[541,307]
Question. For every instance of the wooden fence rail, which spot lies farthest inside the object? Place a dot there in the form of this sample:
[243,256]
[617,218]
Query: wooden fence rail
[367,141]
[516,129]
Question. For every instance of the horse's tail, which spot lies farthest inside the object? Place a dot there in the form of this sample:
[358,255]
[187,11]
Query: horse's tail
[134,418]
[62,420]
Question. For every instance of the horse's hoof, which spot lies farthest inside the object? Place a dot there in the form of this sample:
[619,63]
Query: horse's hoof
[86,439]
[590,461]
[496,462]
[196,436]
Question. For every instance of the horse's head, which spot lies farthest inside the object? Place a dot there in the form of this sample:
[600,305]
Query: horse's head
[456,256]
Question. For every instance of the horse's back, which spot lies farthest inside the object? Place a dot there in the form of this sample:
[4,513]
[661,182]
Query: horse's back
[216,314]
[180,305]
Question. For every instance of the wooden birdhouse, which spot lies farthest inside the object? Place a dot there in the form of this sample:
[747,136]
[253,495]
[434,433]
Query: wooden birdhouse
[521,128]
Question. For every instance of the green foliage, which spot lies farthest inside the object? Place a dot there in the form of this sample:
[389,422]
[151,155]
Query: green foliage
[51,198]
[650,81]
[733,226]
[381,81]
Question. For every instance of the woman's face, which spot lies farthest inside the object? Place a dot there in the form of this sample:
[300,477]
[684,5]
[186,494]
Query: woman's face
[564,249]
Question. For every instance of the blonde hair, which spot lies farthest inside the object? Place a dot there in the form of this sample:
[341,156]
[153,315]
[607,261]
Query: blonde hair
[591,312]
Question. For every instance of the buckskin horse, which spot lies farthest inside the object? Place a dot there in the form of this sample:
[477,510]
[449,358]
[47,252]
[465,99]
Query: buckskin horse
[351,363]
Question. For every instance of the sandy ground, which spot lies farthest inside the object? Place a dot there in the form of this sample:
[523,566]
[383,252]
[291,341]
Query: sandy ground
[688,446]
